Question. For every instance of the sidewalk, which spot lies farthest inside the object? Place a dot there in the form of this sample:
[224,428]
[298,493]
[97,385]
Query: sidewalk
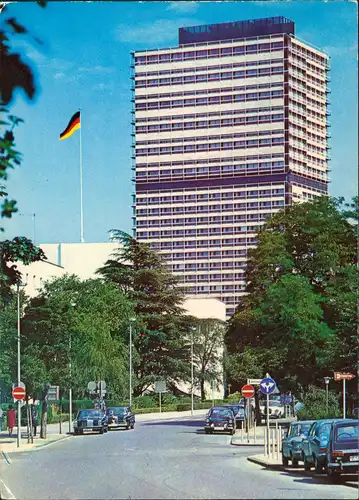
[9,445]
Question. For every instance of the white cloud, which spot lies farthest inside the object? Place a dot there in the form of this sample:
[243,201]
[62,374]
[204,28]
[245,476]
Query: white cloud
[58,76]
[96,70]
[184,6]
[103,86]
[162,30]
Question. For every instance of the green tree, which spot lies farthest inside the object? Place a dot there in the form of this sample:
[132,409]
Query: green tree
[315,405]
[83,322]
[298,317]
[161,325]
[15,74]
[208,344]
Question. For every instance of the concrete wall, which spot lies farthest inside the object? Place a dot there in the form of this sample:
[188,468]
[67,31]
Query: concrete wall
[82,259]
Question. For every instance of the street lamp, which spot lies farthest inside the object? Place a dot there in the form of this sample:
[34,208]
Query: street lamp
[18,361]
[131,321]
[327,380]
[73,305]
[193,329]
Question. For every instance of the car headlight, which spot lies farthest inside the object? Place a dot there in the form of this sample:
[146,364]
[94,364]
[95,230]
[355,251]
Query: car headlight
[207,420]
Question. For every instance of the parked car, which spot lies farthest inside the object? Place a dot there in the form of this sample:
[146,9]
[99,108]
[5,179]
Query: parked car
[120,416]
[239,414]
[90,420]
[343,452]
[220,418]
[292,442]
[276,410]
[315,445]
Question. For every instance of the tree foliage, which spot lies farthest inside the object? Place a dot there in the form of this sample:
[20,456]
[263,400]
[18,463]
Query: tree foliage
[82,322]
[208,344]
[298,320]
[161,325]
[315,405]
[15,74]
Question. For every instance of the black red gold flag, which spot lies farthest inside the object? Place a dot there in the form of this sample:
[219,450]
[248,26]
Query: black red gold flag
[74,124]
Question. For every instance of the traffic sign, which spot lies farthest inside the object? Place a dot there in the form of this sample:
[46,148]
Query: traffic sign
[343,376]
[254,381]
[18,393]
[248,391]
[267,385]
[160,386]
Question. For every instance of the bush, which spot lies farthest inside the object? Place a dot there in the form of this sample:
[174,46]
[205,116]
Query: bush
[315,405]
[235,397]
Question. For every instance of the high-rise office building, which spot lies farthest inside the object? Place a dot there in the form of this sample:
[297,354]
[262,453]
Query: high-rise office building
[230,127]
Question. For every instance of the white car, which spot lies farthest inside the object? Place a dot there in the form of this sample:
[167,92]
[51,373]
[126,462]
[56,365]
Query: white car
[276,410]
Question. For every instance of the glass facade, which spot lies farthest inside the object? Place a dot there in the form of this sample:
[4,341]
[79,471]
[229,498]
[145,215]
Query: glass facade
[224,141]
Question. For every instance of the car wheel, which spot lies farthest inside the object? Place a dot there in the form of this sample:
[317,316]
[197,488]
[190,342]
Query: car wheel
[132,426]
[318,468]
[233,432]
[128,427]
[101,431]
[207,431]
[295,462]
[306,464]
[285,461]
[76,432]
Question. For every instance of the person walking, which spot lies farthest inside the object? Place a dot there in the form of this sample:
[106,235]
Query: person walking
[11,419]
[34,418]
[1,417]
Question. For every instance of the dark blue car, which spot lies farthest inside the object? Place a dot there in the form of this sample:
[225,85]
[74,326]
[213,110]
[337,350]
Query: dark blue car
[220,418]
[315,445]
[90,420]
[292,442]
[343,449]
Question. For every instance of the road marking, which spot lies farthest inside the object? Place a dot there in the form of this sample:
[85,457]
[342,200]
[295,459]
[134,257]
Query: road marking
[11,496]
[6,457]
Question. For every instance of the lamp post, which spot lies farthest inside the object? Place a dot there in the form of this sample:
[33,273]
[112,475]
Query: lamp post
[73,305]
[327,380]
[18,360]
[131,321]
[192,370]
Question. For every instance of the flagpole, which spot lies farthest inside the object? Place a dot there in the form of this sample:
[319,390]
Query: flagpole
[81,196]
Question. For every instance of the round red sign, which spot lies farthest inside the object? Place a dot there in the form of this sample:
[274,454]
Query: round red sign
[18,393]
[248,391]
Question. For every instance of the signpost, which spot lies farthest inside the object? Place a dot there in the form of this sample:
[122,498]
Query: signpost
[343,376]
[254,381]
[267,386]
[53,393]
[248,392]
[18,393]
[160,387]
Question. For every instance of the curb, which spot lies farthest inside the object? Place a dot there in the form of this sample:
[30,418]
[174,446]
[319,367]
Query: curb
[258,461]
[35,448]
[247,445]
[298,472]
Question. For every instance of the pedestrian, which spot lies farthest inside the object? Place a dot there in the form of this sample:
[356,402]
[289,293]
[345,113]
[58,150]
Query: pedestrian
[34,418]
[1,417]
[11,419]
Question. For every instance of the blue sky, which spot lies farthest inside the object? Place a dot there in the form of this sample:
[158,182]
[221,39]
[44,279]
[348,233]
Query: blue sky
[85,63]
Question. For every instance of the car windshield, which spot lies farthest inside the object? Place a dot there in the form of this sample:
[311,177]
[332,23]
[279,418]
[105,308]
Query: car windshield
[116,411]
[219,412]
[346,432]
[299,429]
[274,403]
[235,408]
[89,413]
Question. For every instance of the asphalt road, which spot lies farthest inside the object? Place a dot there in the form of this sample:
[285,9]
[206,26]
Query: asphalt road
[157,460]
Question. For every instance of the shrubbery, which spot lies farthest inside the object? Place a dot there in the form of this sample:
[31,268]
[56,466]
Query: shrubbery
[315,405]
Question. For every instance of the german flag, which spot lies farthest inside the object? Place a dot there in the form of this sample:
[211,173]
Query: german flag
[73,125]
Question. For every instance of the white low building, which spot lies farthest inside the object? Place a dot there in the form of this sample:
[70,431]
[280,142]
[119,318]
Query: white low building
[82,259]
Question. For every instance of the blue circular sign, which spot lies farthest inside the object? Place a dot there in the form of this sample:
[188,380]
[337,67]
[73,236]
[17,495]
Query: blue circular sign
[267,385]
